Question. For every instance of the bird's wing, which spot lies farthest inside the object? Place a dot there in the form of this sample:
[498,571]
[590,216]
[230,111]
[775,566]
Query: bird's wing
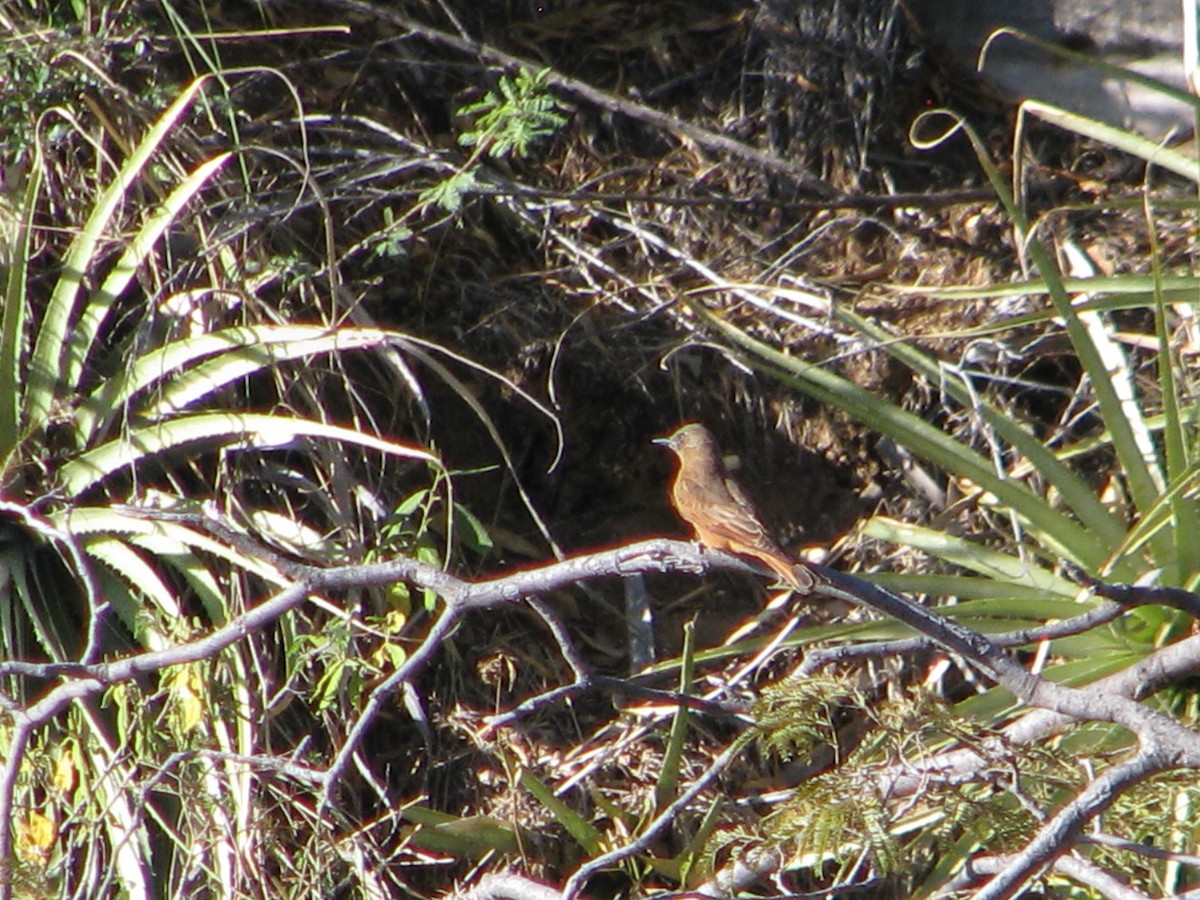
[742,524]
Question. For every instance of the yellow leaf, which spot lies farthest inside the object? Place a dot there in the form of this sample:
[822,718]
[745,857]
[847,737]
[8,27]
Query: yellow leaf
[65,774]
[36,836]
[187,698]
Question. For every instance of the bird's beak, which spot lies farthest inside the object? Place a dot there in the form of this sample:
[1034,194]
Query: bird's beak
[666,442]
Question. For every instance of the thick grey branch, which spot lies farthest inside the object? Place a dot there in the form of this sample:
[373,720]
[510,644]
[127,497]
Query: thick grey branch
[1054,838]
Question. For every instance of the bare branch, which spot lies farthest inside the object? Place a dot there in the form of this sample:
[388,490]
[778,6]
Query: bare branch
[1164,744]
[1162,668]
[826,656]
[577,880]
[1055,836]
[508,886]
[1107,884]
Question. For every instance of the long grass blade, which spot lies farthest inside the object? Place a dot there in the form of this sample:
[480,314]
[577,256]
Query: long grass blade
[918,436]
[1092,513]
[1126,141]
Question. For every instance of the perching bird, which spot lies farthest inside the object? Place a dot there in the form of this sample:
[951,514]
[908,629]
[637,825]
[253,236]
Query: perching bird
[707,498]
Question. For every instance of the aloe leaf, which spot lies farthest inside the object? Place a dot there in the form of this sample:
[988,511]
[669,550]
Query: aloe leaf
[1116,364]
[208,362]
[55,333]
[1185,536]
[1162,518]
[12,325]
[1141,481]
[584,833]
[129,526]
[50,622]
[970,555]
[667,786]
[469,837]
[257,430]
[1105,292]
[177,545]
[91,321]
[142,582]
[960,587]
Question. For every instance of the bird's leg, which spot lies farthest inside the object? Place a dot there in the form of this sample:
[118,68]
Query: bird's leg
[703,552]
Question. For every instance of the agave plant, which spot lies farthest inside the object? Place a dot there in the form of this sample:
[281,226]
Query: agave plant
[113,415]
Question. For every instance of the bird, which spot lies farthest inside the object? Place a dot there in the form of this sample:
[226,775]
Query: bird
[719,511]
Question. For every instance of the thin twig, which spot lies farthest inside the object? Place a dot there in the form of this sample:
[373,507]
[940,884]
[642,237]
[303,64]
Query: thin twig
[1098,615]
